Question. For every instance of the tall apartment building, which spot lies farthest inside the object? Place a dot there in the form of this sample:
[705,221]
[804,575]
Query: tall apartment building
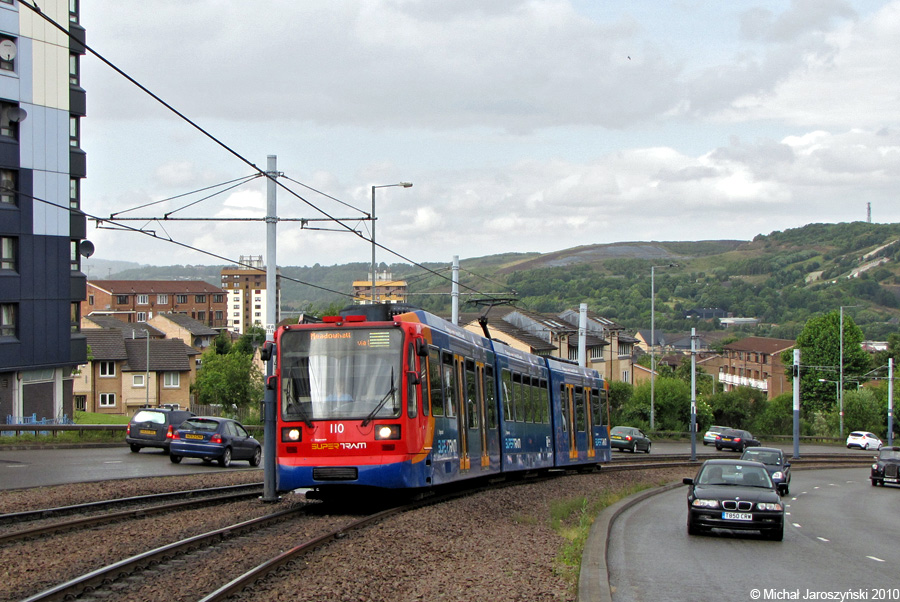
[41,227]
[248,298]
[387,290]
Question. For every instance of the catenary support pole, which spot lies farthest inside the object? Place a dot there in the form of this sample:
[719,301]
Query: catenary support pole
[582,335]
[454,291]
[796,403]
[890,401]
[693,395]
[269,401]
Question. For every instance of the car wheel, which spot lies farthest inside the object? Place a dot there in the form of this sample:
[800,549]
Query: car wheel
[718,448]
[225,460]
[648,448]
[866,446]
[776,534]
[787,490]
[174,459]
[740,450]
[706,443]
[634,447]
[257,456]
[135,448]
[874,483]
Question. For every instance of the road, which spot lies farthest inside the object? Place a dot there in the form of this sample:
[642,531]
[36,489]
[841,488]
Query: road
[840,536]
[41,467]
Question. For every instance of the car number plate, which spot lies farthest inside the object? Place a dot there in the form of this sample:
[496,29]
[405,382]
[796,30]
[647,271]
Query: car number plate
[193,436]
[737,516]
[147,432]
[616,437]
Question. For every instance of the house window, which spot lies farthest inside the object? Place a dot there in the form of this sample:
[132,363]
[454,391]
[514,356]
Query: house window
[137,381]
[73,11]
[90,299]
[8,179]
[201,315]
[236,314]
[122,299]
[74,131]
[8,319]
[107,369]
[107,400]
[180,298]
[219,316]
[143,299]
[8,64]
[8,248]
[218,298]
[162,299]
[74,193]
[141,316]
[10,116]
[171,380]
[75,316]
[81,403]
[199,298]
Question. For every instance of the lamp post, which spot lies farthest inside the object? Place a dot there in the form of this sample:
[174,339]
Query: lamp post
[404,185]
[147,373]
[841,368]
[653,339]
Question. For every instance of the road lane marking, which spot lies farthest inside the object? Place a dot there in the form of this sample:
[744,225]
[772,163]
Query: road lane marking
[875,558]
[113,462]
[822,539]
[797,525]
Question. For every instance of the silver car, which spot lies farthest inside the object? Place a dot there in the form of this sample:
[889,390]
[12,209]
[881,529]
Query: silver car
[710,436]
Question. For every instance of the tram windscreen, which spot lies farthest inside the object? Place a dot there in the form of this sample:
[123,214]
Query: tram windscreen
[351,374]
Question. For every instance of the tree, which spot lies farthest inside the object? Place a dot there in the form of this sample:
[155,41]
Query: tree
[864,411]
[229,379]
[249,341]
[222,343]
[820,354]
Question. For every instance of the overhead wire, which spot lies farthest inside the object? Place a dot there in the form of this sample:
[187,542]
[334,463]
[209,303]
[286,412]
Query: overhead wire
[274,177]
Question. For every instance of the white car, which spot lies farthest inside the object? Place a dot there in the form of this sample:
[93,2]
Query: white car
[863,440]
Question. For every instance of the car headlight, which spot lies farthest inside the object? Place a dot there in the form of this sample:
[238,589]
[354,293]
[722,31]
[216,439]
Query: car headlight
[698,503]
[777,476]
[769,506]
[876,468]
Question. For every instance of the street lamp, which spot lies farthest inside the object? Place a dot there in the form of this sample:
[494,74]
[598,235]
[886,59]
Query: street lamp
[404,185]
[653,337]
[841,368]
[147,373]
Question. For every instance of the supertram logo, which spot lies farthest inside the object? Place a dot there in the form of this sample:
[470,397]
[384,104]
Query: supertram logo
[338,446]
[329,335]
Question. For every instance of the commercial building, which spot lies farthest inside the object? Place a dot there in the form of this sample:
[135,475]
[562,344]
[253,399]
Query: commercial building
[41,226]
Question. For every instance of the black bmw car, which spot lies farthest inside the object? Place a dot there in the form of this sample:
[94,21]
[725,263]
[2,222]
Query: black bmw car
[886,468]
[777,465]
[737,495]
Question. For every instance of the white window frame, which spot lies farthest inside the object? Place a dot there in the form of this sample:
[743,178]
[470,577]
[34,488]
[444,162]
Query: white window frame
[171,380]
[137,381]
[141,316]
[107,400]
[162,299]
[143,299]
[107,369]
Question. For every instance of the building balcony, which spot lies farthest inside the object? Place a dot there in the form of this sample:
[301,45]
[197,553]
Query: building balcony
[743,381]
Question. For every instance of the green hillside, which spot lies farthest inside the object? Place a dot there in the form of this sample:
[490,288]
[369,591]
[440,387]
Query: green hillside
[782,279]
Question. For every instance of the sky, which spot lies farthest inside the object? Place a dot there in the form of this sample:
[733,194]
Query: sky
[524,125]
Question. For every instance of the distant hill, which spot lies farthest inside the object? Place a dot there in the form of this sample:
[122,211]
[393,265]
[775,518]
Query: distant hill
[781,278]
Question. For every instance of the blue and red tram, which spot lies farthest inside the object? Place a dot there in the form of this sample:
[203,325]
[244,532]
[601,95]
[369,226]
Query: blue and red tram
[411,401]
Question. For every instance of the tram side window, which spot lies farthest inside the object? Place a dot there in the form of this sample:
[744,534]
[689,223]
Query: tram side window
[529,399]
[519,401]
[490,400]
[434,382]
[449,385]
[545,402]
[579,409]
[471,392]
[596,408]
[564,405]
[412,396]
[507,392]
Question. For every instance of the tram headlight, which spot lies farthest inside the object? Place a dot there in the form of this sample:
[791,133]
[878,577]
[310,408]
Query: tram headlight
[291,434]
[387,431]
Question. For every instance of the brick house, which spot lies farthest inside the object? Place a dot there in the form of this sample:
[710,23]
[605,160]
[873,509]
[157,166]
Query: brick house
[141,300]
[118,380]
[755,362]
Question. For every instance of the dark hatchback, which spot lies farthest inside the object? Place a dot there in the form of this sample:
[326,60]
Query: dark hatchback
[886,468]
[630,438]
[212,438]
[779,468]
[735,439]
[737,495]
[153,427]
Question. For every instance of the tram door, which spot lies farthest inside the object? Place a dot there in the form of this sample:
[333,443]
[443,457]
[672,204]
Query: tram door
[589,428]
[568,408]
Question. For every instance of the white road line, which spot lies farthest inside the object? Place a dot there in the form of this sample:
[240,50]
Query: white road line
[875,558]
[822,539]
[113,462]
[797,525]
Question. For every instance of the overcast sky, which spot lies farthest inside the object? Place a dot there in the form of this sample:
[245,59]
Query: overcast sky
[524,125]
